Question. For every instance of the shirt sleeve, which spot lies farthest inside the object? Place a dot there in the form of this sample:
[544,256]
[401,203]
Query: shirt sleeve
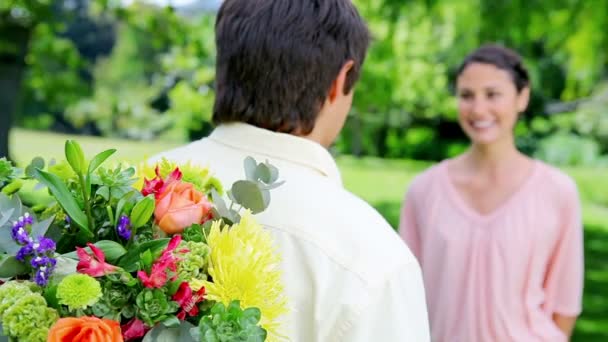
[408,228]
[564,279]
[396,312]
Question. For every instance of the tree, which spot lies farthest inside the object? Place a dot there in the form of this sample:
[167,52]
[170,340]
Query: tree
[18,18]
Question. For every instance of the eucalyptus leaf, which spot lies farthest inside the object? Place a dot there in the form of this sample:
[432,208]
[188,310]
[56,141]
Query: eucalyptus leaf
[250,166]
[220,204]
[249,195]
[181,333]
[274,172]
[40,228]
[263,173]
[64,267]
[171,322]
[271,186]
[11,267]
[5,216]
[36,163]
[266,198]
[7,244]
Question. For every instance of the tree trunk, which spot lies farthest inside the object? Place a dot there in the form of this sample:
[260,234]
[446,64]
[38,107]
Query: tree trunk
[12,67]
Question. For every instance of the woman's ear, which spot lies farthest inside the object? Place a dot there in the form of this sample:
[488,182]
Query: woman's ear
[523,99]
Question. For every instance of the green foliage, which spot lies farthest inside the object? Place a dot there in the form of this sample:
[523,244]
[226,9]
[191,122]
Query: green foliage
[568,150]
[23,311]
[591,118]
[232,324]
[154,307]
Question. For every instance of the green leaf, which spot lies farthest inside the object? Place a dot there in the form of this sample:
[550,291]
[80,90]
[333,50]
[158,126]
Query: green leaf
[263,173]
[112,250]
[250,168]
[274,172]
[36,163]
[220,204]
[104,192]
[50,295]
[40,228]
[266,198]
[146,258]
[121,205]
[7,244]
[129,261]
[65,199]
[11,267]
[249,195]
[6,216]
[75,156]
[271,186]
[142,212]
[162,333]
[171,322]
[99,159]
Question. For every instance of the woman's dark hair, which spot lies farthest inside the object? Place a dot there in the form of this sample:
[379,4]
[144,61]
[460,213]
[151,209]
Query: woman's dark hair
[502,58]
[277,59]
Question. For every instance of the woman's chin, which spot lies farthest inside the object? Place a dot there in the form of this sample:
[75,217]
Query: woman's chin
[484,139]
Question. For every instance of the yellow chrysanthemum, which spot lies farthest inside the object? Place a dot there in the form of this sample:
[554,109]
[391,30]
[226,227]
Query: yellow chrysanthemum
[200,177]
[244,265]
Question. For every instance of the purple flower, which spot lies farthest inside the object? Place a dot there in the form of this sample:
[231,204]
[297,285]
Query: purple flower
[123,228]
[42,275]
[24,252]
[39,261]
[44,245]
[26,219]
[20,234]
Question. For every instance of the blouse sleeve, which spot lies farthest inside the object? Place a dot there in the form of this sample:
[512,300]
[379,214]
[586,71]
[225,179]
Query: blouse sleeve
[564,279]
[408,227]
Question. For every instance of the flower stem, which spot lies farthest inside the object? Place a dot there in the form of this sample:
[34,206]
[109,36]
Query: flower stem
[87,204]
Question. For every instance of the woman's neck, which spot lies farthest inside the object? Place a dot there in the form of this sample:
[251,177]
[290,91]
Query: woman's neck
[496,157]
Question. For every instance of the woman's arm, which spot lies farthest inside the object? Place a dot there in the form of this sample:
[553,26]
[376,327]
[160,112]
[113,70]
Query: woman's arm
[565,323]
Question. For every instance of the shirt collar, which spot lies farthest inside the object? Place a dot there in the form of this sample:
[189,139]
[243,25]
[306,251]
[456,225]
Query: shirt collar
[283,146]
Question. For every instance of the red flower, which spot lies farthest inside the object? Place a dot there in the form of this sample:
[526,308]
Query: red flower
[166,262]
[156,279]
[93,264]
[187,301]
[133,329]
[157,185]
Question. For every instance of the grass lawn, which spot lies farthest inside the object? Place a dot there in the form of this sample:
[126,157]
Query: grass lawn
[383,184]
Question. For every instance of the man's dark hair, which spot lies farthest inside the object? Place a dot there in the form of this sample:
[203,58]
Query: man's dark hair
[503,58]
[277,59]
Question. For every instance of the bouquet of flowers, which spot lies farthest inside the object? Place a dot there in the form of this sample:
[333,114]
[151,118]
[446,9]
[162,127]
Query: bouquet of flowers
[152,253]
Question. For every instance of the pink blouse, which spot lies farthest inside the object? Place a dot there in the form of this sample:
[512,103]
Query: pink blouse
[501,276]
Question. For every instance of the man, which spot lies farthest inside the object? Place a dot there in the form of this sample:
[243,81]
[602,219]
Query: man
[285,75]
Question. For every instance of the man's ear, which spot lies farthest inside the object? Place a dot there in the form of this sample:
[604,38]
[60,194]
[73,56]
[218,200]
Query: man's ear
[337,86]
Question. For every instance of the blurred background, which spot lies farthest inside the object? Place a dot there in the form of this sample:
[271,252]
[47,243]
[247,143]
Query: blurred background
[139,76]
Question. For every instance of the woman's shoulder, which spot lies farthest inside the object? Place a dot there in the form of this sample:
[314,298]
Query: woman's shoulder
[426,181]
[551,177]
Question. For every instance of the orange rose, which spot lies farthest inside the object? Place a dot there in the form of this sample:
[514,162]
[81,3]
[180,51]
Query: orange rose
[180,206]
[85,329]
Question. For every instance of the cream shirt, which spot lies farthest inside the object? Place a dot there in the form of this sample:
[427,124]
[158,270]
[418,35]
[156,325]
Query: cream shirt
[348,277]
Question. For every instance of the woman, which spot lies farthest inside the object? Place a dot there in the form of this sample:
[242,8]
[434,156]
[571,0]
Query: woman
[498,235]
